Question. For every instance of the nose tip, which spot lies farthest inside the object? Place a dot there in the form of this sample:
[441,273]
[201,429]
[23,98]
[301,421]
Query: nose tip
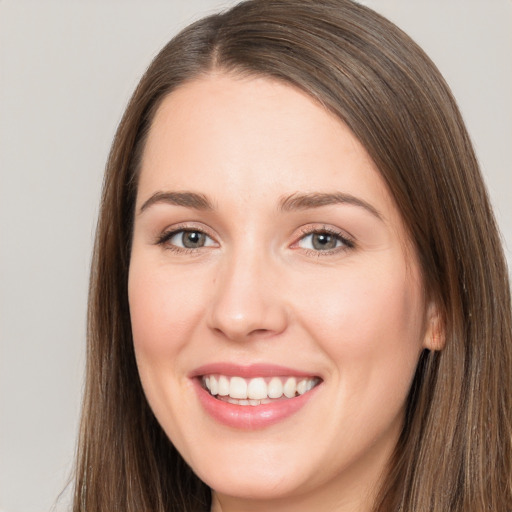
[247,305]
[244,322]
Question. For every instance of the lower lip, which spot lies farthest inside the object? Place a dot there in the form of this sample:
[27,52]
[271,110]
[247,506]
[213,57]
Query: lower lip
[251,417]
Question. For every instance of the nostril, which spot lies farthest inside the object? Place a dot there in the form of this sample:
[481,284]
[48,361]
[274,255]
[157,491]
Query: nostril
[257,332]
[242,334]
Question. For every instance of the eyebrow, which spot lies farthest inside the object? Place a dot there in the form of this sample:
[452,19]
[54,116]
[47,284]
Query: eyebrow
[293,202]
[318,199]
[186,199]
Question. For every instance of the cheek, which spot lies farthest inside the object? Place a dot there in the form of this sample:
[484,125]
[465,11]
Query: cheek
[161,304]
[163,323]
[369,321]
[165,312]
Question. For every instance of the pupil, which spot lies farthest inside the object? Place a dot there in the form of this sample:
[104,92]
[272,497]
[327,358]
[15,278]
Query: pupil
[323,241]
[193,239]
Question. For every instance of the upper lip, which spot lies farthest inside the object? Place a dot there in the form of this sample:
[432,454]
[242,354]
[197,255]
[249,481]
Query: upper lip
[249,371]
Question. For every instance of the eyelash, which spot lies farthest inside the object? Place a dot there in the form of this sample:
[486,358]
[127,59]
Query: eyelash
[347,242]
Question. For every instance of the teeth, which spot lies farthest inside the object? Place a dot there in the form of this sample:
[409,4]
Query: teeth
[223,386]
[238,388]
[214,386]
[275,388]
[290,387]
[240,391]
[302,387]
[257,389]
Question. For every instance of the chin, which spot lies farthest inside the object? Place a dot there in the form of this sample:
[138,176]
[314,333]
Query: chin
[249,483]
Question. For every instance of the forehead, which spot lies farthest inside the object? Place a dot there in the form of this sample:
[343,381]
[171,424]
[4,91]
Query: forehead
[254,137]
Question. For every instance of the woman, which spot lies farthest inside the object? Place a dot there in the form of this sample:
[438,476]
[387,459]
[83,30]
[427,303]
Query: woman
[298,298]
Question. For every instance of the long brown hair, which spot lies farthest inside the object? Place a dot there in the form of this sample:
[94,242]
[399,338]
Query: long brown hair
[455,451]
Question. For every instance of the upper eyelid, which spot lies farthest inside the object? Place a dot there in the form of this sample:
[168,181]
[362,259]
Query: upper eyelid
[188,226]
[323,228]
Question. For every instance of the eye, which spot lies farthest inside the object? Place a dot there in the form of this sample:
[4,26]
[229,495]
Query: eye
[324,241]
[186,239]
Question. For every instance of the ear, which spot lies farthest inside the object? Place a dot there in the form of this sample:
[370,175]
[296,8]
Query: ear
[435,337]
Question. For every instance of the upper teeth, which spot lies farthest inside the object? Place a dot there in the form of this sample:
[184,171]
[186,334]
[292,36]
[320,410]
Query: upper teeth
[258,388]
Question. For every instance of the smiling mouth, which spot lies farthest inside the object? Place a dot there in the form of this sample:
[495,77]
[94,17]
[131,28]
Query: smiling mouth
[257,391]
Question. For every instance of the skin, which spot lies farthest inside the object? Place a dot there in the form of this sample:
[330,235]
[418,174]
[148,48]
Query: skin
[258,291]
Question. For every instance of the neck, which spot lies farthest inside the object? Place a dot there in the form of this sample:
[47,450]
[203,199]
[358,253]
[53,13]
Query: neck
[301,503]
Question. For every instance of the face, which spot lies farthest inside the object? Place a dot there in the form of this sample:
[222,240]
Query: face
[277,308]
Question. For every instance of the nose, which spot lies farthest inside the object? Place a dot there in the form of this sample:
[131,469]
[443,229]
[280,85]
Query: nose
[248,301]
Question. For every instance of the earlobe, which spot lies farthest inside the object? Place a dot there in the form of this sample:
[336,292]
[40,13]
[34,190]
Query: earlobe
[435,337]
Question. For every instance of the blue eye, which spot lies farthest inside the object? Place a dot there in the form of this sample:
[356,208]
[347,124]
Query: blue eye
[187,239]
[323,241]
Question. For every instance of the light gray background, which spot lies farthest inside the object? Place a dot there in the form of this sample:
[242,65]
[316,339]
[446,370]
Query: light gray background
[67,69]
